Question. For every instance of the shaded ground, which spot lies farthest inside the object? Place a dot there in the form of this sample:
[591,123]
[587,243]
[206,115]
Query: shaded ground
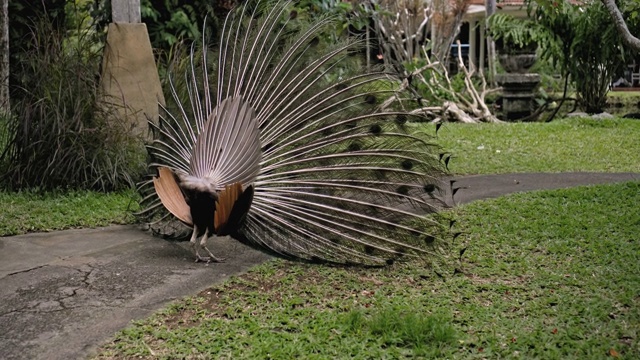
[63,293]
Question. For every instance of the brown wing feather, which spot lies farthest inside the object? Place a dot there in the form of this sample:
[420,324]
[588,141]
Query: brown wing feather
[224,204]
[171,196]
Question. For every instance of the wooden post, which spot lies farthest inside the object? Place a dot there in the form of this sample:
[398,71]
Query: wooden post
[125,11]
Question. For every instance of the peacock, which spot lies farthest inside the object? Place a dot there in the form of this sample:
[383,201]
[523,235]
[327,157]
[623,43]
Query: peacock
[287,149]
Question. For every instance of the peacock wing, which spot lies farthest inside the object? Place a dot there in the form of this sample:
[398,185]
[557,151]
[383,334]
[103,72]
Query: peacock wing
[171,196]
[232,207]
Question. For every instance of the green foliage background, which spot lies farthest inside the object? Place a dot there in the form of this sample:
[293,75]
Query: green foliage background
[582,42]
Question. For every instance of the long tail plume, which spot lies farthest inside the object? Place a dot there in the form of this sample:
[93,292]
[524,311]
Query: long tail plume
[339,178]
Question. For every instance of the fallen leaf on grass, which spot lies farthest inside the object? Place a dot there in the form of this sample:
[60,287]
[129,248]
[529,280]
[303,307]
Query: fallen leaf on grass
[614,353]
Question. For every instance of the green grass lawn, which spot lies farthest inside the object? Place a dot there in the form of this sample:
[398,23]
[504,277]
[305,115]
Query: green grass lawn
[634,95]
[24,212]
[550,275]
[559,146]
[547,275]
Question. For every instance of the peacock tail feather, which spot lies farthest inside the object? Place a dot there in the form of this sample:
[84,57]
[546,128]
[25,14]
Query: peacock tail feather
[334,176]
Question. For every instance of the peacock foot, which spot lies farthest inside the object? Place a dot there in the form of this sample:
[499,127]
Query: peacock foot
[202,244]
[209,259]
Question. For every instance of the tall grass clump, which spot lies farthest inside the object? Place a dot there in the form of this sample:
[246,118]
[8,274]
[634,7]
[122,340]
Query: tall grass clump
[63,133]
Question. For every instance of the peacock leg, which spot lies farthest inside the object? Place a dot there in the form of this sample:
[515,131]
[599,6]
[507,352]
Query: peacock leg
[195,245]
[203,244]
[194,236]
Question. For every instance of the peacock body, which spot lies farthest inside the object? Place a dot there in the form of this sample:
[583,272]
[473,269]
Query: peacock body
[284,149]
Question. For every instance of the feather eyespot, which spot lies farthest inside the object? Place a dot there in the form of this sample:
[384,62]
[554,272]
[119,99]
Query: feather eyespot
[354,146]
[403,190]
[429,188]
[375,129]
[370,99]
[327,131]
[429,240]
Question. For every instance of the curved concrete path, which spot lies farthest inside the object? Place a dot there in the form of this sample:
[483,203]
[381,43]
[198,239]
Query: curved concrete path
[478,187]
[64,293]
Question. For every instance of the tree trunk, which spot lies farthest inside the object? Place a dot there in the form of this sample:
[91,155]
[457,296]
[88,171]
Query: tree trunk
[4,57]
[621,26]
[490,6]
[446,19]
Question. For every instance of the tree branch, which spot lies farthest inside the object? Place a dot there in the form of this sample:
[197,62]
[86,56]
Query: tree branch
[618,20]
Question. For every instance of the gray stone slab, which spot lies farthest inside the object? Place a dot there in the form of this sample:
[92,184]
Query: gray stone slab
[64,293]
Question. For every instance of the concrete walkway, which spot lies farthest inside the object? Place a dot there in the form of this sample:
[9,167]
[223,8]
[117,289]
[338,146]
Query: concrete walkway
[479,187]
[64,293]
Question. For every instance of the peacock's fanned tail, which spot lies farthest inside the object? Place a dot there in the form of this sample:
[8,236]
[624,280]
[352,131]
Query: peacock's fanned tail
[339,179]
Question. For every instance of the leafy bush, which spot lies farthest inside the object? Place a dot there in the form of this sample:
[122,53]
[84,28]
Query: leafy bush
[589,61]
[170,21]
[515,35]
[63,132]
[596,59]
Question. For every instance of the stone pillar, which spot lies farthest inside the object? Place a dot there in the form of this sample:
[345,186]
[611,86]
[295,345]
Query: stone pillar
[518,92]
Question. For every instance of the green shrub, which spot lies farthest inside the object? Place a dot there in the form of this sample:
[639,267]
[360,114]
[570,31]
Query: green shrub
[63,133]
[589,61]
